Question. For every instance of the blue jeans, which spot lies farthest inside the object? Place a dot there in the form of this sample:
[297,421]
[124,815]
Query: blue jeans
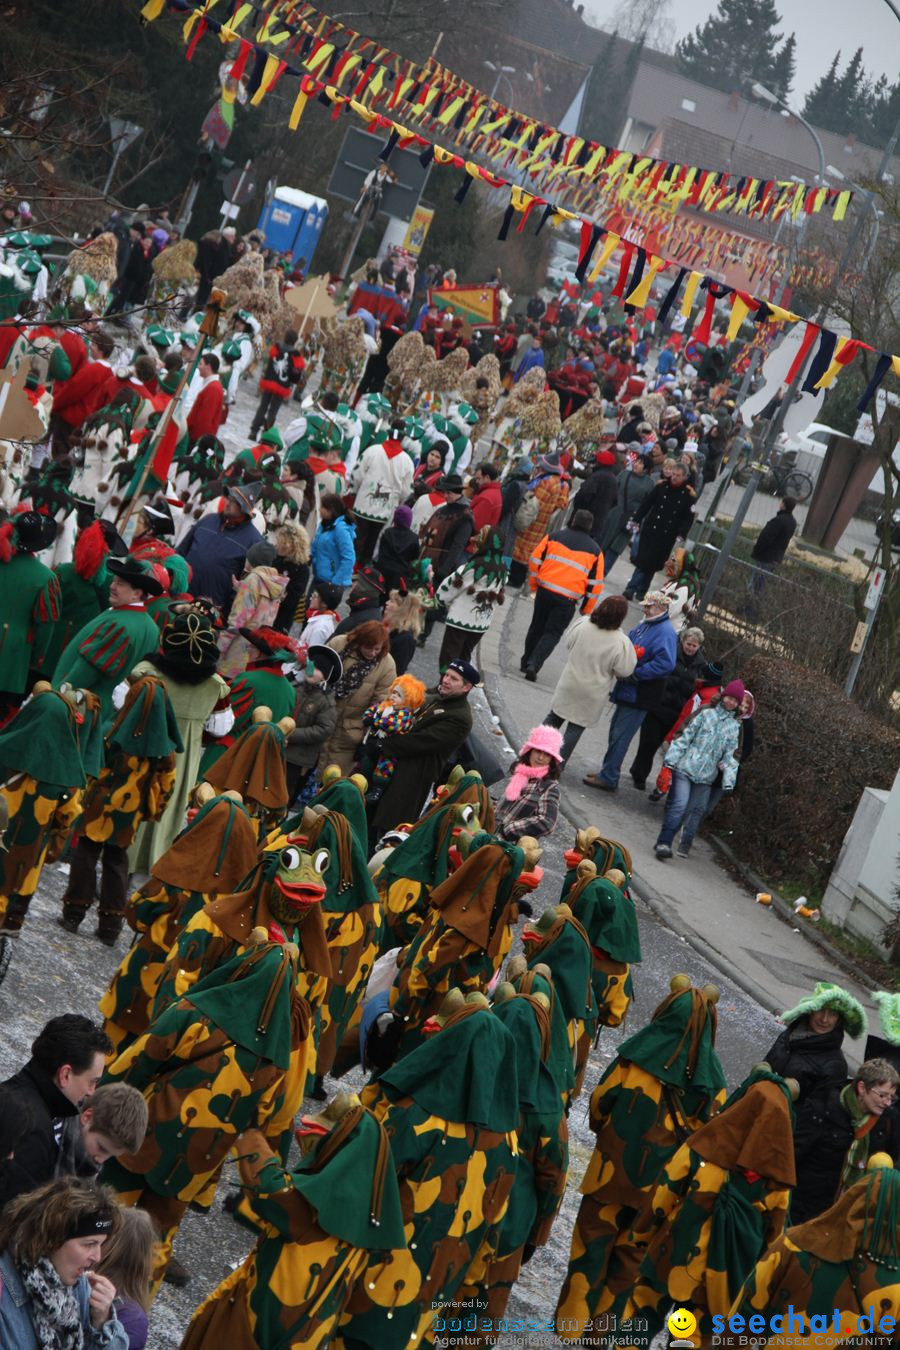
[686,806]
[639,583]
[623,728]
[609,559]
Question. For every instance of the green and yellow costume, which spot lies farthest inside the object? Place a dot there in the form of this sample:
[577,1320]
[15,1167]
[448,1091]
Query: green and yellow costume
[559,942]
[420,863]
[665,1082]
[607,915]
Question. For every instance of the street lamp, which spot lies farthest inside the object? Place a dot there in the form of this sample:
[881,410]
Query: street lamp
[762,92]
[870,202]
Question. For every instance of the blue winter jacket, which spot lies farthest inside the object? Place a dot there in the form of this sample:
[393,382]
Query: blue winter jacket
[215,554]
[332,553]
[644,688]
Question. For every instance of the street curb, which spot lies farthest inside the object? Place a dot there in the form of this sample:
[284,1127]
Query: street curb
[647,893]
[783,908]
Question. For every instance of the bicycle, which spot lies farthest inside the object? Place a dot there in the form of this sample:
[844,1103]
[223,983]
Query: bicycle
[784,479]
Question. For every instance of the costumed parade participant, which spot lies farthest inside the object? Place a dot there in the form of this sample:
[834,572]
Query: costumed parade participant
[453,1144]
[559,942]
[31,603]
[719,1203]
[211,856]
[665,1082]
[320,1224]
[135,784]
[228,1056]
[83,589]
[607,915]
[254,766]
[262,685]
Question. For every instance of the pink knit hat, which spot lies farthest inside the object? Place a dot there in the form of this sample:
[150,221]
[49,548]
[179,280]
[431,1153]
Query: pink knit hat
[548,739]
[734,689]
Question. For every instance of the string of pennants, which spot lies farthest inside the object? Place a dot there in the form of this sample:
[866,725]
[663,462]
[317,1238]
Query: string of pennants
[639,268]
[435,99]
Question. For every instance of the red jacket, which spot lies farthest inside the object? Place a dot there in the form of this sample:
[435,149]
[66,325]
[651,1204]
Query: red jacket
[206,416]
[76,398]
[487,506]
[112,385]
[74,347]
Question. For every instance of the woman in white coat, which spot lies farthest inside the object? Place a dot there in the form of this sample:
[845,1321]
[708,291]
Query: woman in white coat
[599,654]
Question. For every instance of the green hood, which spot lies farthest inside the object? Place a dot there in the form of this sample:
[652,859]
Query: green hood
[347,881]
[146,725]
[570,961]
[826,995]
[342,1178]
[422,856]
[677,1045]
[559,1061]
[345,797]
[609,919]
[464,1073]
[537,1088]
[258,1014]
[42,741]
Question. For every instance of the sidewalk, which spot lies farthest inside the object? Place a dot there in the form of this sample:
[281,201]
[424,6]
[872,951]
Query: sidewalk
[765,956]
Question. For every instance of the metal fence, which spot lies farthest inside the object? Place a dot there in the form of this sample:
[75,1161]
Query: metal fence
[802,615]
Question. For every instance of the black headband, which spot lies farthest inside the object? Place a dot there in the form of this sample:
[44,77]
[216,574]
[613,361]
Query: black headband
[96,1223]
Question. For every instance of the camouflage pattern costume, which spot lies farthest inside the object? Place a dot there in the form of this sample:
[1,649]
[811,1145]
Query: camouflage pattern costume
[607,915]
[539,981]
[846,1259]
[720,1202]
[213,854]
[559,942]
[665,1082]
[211,1066]
[320,1225]
[421,862]
[454,1149]
[463,942]
[41,771]
[542,1164]
[254,766]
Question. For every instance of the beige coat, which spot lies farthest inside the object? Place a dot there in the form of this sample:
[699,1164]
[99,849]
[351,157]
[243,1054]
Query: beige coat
[348,731]
[597,658]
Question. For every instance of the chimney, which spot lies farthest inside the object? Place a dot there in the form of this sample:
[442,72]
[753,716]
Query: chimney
[579,10]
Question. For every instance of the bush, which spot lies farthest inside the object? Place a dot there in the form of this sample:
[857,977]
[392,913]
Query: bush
[814,752]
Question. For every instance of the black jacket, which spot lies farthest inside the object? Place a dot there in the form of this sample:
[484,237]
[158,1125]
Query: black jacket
[773,539]
[421,754]
[298,580]
[398,548]
[664,516]
[403,649]
[597,495]
[444,537]
[37,1154]
[822,1135]
[361,611]
[679,686]
[816,1061]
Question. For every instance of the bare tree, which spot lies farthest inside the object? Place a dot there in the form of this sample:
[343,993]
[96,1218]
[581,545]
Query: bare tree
[647,19]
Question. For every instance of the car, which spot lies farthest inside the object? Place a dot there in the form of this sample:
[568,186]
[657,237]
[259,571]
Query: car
[813,440]
[895,528]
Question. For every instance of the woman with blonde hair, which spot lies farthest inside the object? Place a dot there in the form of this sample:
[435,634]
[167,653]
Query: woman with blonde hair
[50,1294]
[404,619]
[367,674]
[292,561]
[128,1263]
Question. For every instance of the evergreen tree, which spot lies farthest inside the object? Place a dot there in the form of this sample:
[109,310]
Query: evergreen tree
[605,97]
[818,103]
[850,95]
[784,67]
[735,47]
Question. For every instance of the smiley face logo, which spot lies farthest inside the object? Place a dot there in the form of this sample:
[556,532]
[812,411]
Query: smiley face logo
[681,1323]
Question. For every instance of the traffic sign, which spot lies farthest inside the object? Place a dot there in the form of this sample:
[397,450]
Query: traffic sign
[239,187]
[876,586]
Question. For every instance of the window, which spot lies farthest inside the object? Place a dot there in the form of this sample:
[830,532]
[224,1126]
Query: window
[688,105]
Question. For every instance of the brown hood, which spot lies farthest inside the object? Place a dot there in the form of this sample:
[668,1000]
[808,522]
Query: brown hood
[238,914]
[848,1229]
[202,859]
[467,898]
[254,767]
[753,1135]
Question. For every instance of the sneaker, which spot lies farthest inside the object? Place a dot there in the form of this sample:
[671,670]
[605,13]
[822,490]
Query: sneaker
[593,780]
[663,850]
[683,851]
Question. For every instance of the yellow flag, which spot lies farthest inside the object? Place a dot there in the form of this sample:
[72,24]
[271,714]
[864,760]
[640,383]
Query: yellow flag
[268,75]
[610,244]
[690,291]
[739,311]
[297,110]
[840,207]
[641,292]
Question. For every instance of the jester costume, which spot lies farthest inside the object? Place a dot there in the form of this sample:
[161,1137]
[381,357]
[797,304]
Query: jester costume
[134,785]
[454,1150]
[106,649]
[605,854]
[228,1057]
[41,773]
[559,942]
[213,854]
[83,592]
[31,600]
[846,1259]
[320,1224]
[719,1203]
[262,685]
[465,938]
[541,1166]
[665,1082]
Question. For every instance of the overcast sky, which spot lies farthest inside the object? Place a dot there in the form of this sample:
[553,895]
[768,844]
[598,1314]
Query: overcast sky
[821,26]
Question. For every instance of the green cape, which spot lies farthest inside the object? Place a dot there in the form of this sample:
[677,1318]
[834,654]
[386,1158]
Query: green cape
[570,961]
[537,1089]
[146,725]
[663,1046]
[827,995]
[338,1184]
[559,1061]
[257,1015]
[345,797]
[91,740]
[42,741]
[422,856]
[609,919]
[464,1073]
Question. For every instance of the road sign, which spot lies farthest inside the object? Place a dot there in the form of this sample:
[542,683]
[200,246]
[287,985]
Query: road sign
[238,186]
[859,637]
[876,586]
[229,211]
[359,155]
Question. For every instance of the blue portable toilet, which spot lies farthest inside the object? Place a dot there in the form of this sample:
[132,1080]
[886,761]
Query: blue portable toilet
[292,223]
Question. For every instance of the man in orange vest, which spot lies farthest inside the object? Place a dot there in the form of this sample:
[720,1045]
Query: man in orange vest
[565,568]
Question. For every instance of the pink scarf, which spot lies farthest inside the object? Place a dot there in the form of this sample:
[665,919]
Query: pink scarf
[521,775]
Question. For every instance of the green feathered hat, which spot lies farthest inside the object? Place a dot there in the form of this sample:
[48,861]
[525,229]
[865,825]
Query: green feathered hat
[146,725]
[888,1006]
[827,995]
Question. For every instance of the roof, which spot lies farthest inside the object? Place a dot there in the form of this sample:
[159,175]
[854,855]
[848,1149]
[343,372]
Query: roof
[305,200]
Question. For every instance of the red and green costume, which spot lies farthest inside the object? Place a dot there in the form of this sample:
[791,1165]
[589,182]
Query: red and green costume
[103,652]
[260,686]
[31,603]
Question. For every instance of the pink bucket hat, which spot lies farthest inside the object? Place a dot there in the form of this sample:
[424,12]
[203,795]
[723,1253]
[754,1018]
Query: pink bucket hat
[548,739]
